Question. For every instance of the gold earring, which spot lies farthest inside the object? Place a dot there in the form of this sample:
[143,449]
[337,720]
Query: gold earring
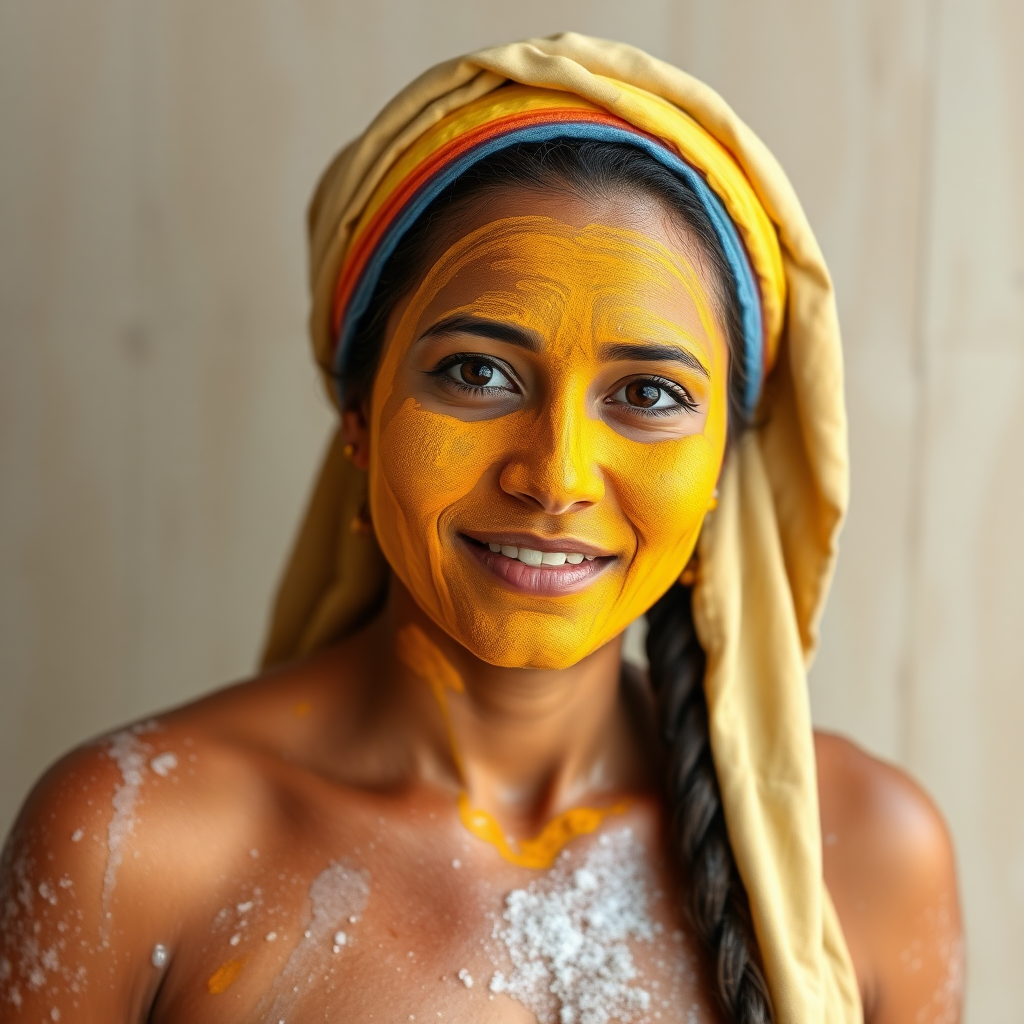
[362,523]
[348,451]
[688,577]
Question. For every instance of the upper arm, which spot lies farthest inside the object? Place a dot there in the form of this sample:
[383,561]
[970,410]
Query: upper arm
[890,869]
[68,868]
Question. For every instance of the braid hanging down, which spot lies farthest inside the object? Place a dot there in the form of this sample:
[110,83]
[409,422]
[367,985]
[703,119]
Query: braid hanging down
[717,900]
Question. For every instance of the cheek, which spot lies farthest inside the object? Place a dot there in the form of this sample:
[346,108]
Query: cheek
[664,490]
[428,461]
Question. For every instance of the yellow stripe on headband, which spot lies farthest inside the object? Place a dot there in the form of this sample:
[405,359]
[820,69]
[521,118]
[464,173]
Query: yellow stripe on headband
[503,102]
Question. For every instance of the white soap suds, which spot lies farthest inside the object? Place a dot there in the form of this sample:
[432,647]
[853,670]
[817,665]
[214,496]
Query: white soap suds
[77,835]
[160,956]
[338,894]
[130,753]
[566,935]
[165,763]
[40,921]
[466,978]
[232,922]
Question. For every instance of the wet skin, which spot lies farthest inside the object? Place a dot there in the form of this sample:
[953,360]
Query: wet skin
[345,756]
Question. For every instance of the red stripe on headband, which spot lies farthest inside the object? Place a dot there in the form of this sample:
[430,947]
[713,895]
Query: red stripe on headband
[430,167]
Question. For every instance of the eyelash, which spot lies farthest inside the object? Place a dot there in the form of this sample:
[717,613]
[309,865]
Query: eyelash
[440,372]
[680,394]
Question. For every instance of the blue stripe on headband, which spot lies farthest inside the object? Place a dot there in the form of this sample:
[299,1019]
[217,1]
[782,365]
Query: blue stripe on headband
[746,285]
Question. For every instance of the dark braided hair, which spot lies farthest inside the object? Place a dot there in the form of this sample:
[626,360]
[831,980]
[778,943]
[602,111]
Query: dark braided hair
[717,903]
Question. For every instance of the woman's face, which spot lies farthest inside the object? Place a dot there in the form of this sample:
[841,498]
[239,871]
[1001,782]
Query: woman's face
[547,425]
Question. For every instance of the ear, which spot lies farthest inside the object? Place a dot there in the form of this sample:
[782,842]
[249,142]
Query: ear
[355,431]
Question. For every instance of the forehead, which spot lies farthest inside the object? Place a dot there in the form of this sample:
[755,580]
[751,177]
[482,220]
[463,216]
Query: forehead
[627,213]
[536,256]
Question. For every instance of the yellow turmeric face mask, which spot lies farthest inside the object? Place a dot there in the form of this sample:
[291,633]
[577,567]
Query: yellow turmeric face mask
[550,394]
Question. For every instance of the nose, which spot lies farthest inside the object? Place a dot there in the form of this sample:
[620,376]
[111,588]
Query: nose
[556,469]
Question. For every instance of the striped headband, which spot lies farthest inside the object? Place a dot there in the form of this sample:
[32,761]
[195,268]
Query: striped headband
[518,113]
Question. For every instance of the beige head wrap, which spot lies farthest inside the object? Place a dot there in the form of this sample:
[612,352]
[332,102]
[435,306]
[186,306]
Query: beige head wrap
[767,554]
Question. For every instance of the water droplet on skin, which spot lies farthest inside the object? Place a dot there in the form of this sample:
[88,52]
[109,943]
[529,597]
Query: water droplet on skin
[160,956]
[77,835]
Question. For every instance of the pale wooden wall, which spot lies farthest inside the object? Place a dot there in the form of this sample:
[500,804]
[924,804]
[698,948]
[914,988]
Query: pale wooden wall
[160,422]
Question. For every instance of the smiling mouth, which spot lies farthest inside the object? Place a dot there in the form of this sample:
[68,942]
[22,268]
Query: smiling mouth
[529,570]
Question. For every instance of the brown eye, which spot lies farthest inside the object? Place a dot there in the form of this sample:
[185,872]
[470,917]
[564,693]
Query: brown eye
[652,396]
[476,372]
[642,393]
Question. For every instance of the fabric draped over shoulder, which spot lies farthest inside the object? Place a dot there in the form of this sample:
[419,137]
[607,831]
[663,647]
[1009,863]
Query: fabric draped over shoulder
[767,553]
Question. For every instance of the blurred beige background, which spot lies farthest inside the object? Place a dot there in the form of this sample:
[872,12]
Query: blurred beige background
[160,421]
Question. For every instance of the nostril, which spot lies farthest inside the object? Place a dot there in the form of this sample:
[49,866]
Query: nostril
[542,486]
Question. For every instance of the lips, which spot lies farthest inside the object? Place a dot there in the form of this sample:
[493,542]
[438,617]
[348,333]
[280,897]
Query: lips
[554,575]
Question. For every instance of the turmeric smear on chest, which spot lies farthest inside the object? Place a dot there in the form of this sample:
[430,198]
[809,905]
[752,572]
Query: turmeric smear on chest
[422,656]
[225,976]
[541,851]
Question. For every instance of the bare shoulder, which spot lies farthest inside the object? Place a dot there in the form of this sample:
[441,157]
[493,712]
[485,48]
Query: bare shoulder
[111,854]
[881,809]
[891,872]
[122,844]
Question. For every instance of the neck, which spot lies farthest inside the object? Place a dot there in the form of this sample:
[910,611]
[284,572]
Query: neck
[524,744]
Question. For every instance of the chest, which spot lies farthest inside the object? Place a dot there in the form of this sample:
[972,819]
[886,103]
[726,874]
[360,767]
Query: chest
[394,919]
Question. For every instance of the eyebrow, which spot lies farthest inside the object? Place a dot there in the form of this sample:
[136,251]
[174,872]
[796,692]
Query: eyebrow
[483,328]
[654,353]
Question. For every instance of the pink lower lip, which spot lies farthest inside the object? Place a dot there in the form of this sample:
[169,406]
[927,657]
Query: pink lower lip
[536,579]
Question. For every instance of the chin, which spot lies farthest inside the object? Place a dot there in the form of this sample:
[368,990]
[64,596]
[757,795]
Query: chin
[542,661]
[545,645]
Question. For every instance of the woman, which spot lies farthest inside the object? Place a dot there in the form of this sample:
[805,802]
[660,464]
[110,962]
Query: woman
[584,349]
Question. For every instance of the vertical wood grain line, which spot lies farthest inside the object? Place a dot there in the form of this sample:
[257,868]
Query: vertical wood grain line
[920,365]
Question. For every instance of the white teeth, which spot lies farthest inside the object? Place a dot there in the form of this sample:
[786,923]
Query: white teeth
[528,556]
